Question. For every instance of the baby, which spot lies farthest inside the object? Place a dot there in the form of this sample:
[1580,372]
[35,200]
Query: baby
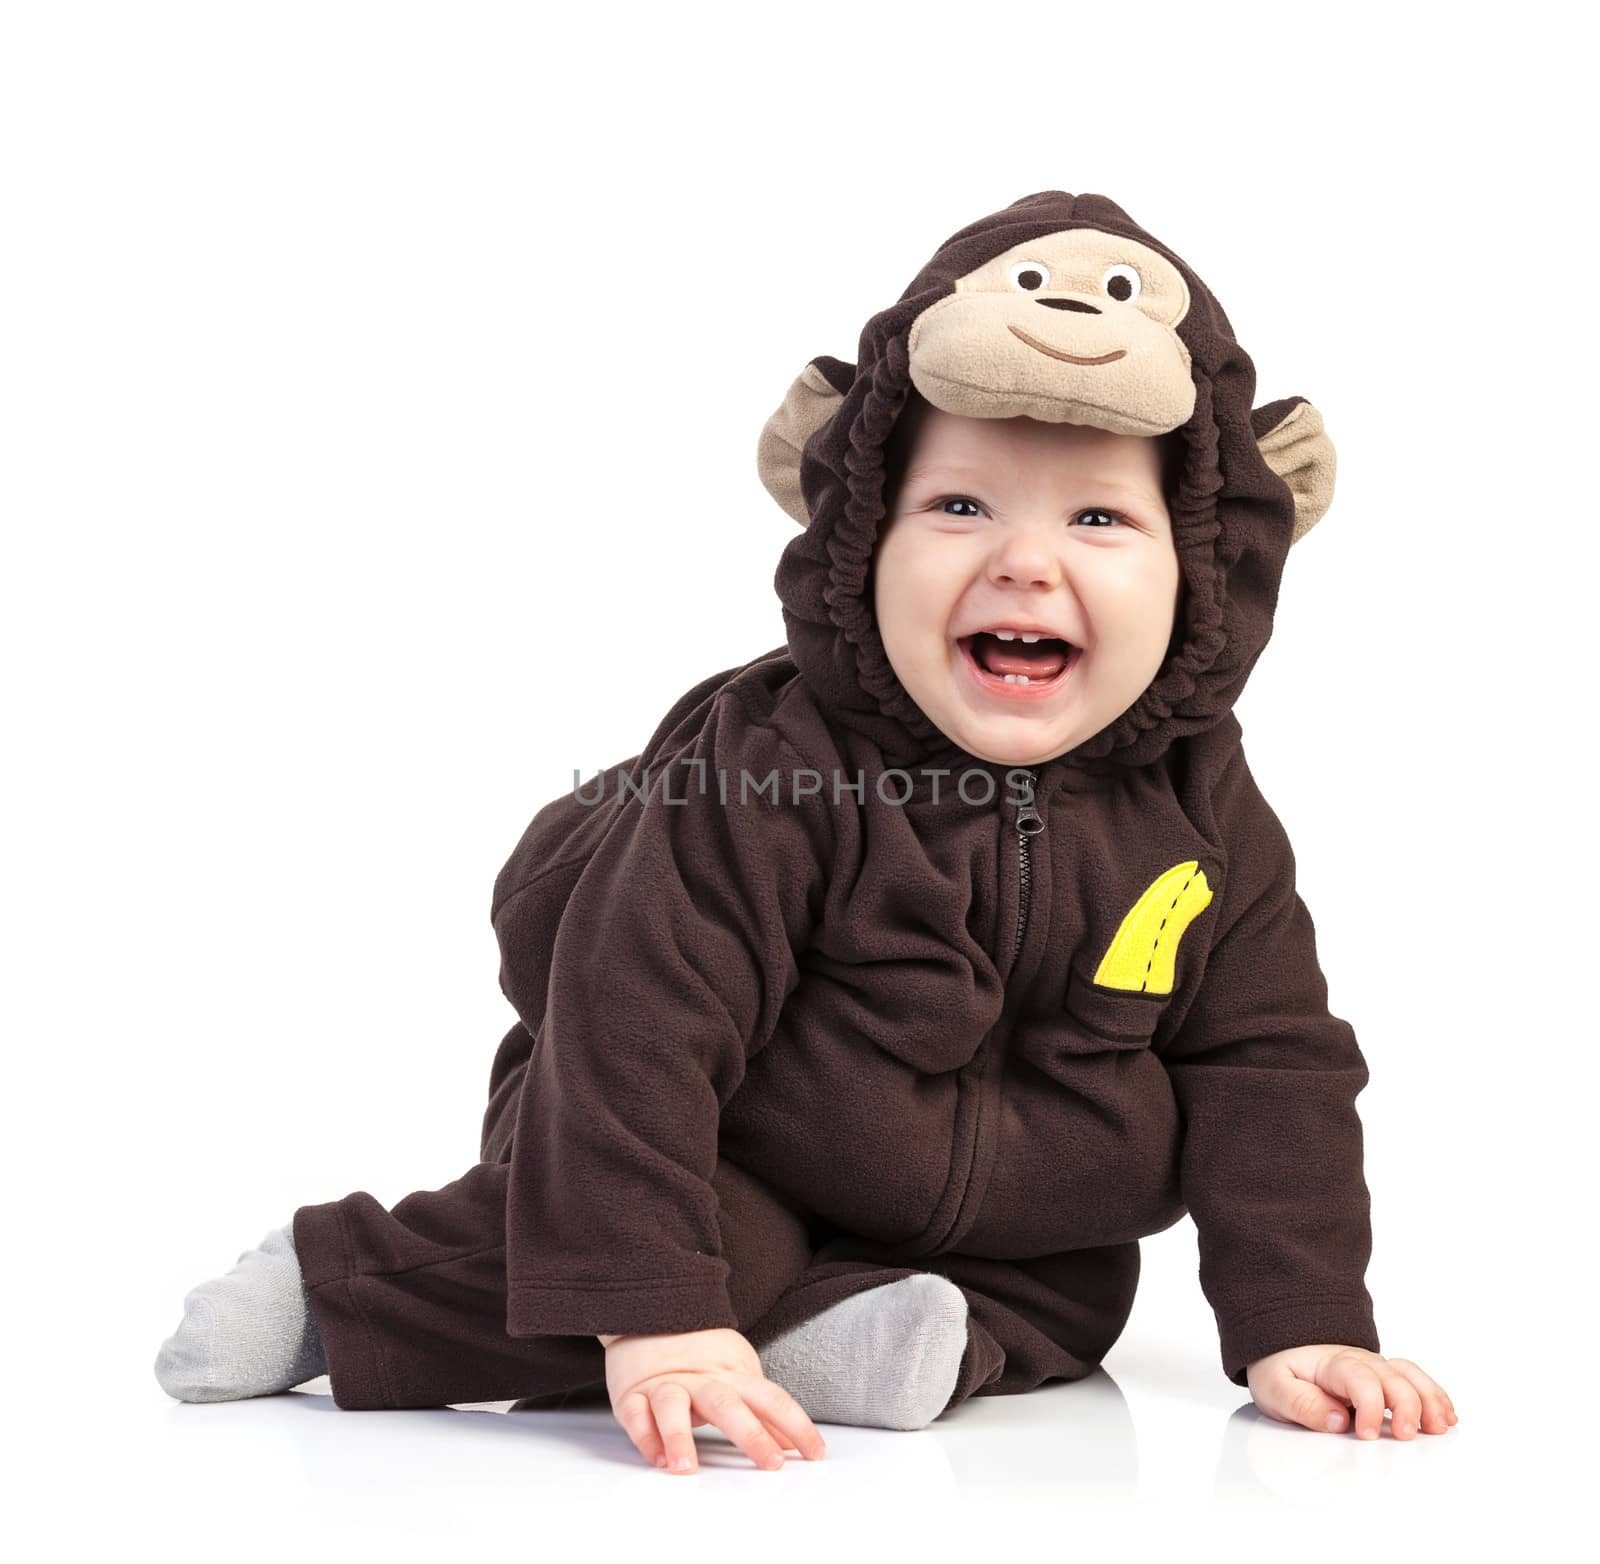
[914,971]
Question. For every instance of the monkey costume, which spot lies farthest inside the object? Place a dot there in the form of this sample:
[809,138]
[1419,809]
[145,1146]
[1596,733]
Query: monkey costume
[936,1014]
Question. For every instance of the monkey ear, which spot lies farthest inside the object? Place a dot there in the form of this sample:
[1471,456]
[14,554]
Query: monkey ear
[808,406]
[1297,448]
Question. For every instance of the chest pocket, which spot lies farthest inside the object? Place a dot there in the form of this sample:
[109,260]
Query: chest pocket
[1101,1019]
[1091,1030]
[1117,1004]
[1117,993]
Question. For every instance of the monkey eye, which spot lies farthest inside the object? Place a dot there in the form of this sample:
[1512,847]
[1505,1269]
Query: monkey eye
[1030,276]
[1122,283]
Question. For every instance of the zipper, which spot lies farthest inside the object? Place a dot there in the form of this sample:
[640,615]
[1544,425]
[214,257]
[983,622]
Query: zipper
[989,1058]
[1029,823]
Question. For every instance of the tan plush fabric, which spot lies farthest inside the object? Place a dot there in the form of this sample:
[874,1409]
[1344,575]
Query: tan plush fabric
[809,405]
[1301,453]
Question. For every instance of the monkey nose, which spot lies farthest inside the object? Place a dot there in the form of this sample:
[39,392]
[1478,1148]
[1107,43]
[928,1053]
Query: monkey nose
[1068,304]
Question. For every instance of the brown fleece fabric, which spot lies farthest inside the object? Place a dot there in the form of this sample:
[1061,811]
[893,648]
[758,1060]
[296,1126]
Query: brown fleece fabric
[771,1053]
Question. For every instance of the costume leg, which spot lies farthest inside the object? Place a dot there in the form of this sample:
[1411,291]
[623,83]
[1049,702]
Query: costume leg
[411,1303]
[1029,1321]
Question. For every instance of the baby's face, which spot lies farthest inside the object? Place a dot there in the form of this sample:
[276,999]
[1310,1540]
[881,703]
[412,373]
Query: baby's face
[1011,523]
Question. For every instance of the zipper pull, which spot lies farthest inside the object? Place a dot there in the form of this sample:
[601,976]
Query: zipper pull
[1029,821]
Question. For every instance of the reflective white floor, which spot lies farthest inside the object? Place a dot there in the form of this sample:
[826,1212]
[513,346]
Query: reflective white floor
[1155,1451]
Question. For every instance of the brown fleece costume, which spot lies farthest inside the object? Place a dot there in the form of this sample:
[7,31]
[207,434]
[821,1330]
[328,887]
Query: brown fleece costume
[771,1054]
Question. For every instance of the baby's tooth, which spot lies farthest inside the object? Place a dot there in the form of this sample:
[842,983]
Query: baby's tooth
[1006,635]
[1030,637]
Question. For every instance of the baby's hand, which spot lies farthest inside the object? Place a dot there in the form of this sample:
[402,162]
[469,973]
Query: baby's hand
[655,1381]
[1315,1386]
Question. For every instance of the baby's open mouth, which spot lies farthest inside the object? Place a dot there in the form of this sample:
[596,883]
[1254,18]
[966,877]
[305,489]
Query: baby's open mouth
[1038,663]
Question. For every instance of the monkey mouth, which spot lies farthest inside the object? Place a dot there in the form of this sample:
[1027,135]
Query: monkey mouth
[1066,358]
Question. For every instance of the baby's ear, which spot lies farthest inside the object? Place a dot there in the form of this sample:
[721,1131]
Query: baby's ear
[817,391]
[1297,448]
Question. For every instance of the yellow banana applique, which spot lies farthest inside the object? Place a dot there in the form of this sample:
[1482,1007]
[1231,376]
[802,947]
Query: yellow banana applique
[1142,953]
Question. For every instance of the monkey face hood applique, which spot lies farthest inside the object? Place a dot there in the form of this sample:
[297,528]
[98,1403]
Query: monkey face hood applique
[1060,308]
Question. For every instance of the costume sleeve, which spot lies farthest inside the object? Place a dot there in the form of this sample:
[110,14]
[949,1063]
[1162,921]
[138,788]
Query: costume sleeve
[1266,1080]
[670,960]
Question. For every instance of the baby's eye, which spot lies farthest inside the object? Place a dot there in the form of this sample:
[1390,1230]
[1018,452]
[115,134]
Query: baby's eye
[1105,517]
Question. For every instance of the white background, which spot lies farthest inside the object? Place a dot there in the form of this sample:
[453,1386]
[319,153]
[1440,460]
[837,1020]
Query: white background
[379,395]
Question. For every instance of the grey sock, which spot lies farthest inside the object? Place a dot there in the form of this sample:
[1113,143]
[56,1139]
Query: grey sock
[249,1333]
[884,1358]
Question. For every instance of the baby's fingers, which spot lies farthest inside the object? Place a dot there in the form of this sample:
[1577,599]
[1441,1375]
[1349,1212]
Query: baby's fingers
[1294,1400]
[1356,1379]
[779,1438]
[1438,1411]
[720,1404]
[670,1402]
[780,1410]
[639,1424]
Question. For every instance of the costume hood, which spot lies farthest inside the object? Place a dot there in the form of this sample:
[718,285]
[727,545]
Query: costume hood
[1062,308]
